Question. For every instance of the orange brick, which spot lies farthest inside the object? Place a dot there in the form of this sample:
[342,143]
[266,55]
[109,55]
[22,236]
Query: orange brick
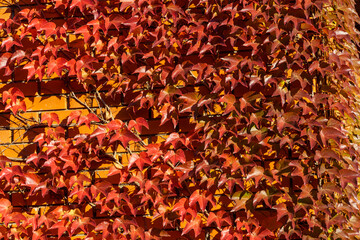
[101,174]
[120,113]
[158,139]
[111,101]
[45,103]
[5,13]
[38,199]
[29,89]
[125,159]
[20,74]
[75,86]
[18,150]
[23,136]
[105,164]
[85,98]
[5,136]
[4,78]
[73,131]
[185,125]
[16,123]
[4,119]
[18,199]
[155,128]
[52,87]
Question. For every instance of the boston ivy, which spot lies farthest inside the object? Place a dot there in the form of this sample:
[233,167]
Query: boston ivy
[261,97]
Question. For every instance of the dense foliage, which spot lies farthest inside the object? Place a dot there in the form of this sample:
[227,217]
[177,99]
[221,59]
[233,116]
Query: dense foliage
[260,97]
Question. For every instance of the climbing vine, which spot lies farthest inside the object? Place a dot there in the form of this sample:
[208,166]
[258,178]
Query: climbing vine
[193,119]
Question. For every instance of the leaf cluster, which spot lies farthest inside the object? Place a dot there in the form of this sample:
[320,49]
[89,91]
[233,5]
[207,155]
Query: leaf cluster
[259,100]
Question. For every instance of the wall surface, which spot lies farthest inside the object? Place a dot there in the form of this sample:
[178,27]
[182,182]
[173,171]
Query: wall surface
[178,119]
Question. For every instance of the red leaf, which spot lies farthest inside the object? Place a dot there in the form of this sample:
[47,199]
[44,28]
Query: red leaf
[32,181]
[9,42]
[138,124]
[115,125]
[4,60]
[74,115]
[175,157]
[61,226]
[218,218]
[282,211]
[256,173]
[3,161]
[99,133]
[49,28]
[330,133]
[234,61]
[181,206]
[31,69]
[230,101]
[18,55]
[178,71]
[81,4]
[5,206]
[125,4]
[195,224]
[93,118]
[173,139]
[104,227]
[50,118]
[81,223]
[140,161]
[116,20]
[201,198]
[124,136]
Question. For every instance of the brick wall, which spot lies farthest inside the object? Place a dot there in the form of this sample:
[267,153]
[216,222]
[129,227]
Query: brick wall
[69,213]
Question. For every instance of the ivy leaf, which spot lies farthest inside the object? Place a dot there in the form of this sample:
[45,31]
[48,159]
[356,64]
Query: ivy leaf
[175,157]
[189,101]
[194,224]
[230,101]
[13,93]
[5,206]
[61,227]
[49,28]
[240,203]
[81,4]
[138,123]
[32,181]
[115,125]
[81,223]
[104,228]
[50,118]
[139,160]
[174,139]
[18,56]
[218,218]
[3,161]
[100,134]
[348,176]
[74,115]
[256,173]
[200,198]
[124,135]
[330,133]
[282,211]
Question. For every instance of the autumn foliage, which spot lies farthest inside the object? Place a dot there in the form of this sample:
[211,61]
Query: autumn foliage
[180,119]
